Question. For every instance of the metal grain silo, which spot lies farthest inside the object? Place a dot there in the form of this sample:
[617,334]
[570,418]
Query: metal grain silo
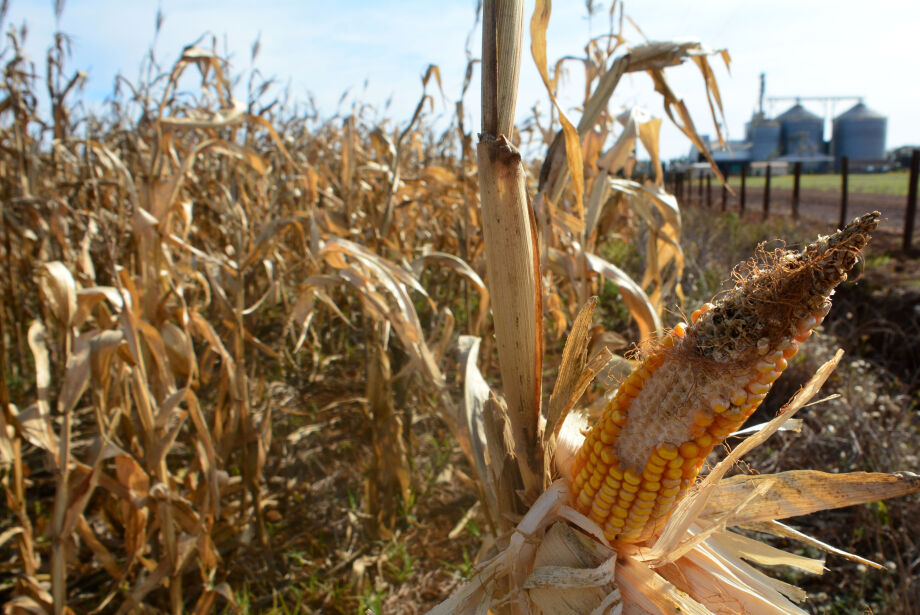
[860,135]
[802,132]
[764,136]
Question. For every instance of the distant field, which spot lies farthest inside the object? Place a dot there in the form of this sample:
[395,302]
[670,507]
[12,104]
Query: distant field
[894,183]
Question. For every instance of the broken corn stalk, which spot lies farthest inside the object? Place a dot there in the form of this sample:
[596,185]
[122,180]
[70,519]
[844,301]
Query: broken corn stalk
[702,381]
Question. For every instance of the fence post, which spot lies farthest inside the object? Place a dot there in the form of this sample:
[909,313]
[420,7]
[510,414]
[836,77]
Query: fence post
[743,193]
[796,183]
[844,180]
[911,213]
[699,192]
[708,191]
[689,186]
[725,191]
[766,192]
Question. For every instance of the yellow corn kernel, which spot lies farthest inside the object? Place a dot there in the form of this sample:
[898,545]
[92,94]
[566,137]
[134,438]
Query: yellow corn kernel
[610,433]
[618,417]
[626,496]
[702,418]
[601,504]
[689,450]
[631,477]
[652,472]
[608,456]
[669,491]
[674,472]
[738,398]
[667,451]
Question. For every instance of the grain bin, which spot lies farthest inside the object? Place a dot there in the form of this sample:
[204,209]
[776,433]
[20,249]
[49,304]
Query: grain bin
[802,132]
[860,135]
[764,136]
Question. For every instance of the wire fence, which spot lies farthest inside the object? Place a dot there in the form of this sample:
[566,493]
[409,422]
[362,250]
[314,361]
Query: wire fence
[695,188]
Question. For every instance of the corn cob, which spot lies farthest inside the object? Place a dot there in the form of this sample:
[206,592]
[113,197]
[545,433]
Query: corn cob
[702,381]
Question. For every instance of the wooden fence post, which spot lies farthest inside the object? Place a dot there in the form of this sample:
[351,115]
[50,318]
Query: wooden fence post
[844,180]
[911,213]
[725,191]
[699,192]
[766,193]
[743,194]
[708,191]
[796,184]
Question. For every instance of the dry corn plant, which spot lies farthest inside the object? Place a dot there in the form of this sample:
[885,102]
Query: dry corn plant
[143,344]
[156,266]
[614,518]
[175,274]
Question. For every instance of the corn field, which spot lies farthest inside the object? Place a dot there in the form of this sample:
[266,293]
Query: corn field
[259,360]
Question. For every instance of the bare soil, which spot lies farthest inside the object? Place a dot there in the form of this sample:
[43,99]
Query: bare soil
[817,205]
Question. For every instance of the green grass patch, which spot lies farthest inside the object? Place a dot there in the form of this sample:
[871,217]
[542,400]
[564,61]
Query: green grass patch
[874,183]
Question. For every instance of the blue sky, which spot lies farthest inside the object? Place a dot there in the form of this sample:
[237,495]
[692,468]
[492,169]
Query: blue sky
[806,47]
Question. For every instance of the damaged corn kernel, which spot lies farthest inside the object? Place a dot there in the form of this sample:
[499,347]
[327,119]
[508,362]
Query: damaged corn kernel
[703,381]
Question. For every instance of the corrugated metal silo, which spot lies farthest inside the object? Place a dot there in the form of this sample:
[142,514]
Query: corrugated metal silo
[802,132]
[860,134]
[764,136]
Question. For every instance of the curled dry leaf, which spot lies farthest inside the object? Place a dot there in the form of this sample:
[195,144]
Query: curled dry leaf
[60,291]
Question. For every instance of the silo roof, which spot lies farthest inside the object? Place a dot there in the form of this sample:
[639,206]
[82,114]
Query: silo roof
[860,111]
[797,113]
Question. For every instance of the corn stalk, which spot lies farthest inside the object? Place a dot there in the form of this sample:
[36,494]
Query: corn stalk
[510,238]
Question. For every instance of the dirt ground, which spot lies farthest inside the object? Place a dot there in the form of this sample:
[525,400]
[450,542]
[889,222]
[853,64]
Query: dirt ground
[818,205]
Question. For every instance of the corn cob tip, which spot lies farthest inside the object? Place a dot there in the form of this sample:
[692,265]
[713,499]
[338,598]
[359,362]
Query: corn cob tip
[776,292]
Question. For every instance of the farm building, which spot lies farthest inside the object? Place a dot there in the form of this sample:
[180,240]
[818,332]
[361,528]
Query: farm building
[797,135]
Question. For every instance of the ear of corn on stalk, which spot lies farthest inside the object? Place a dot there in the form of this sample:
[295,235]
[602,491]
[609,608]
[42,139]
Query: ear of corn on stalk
[702,381]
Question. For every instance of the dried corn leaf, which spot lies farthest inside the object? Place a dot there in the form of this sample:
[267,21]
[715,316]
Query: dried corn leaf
[538,24]
[471,425]
[60,291]
[572,574]
[800,492]
[778,529]
[760,553]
